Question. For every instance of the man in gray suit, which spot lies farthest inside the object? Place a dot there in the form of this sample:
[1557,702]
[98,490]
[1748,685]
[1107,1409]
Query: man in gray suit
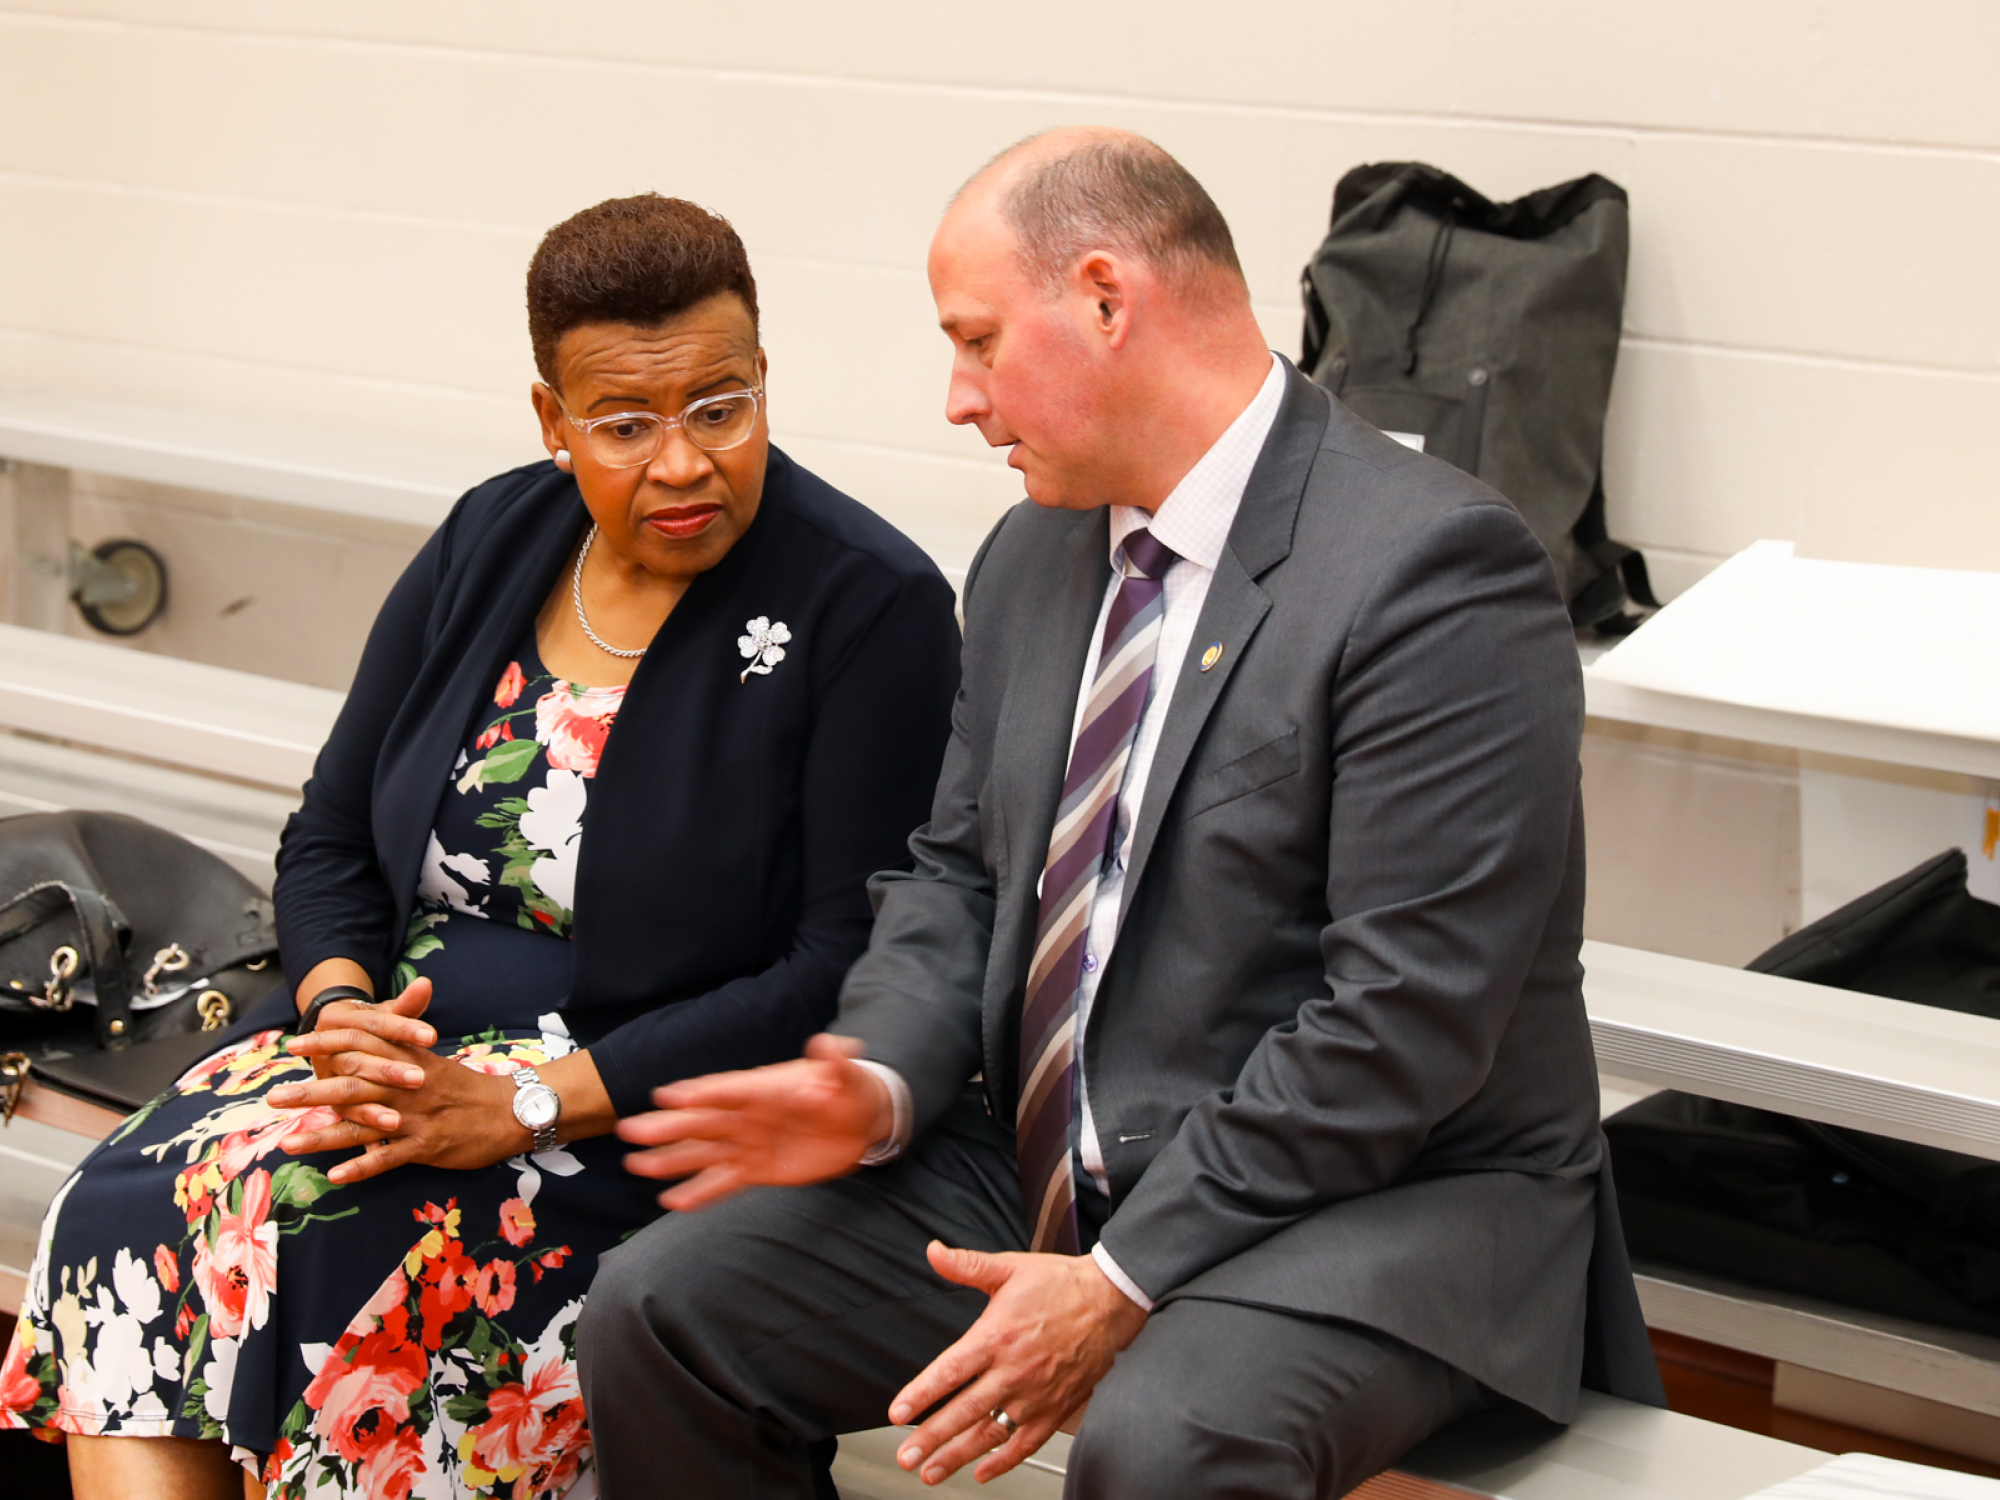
[1229,1024]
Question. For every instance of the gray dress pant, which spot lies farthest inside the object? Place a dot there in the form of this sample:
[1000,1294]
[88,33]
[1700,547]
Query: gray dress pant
[716,1347]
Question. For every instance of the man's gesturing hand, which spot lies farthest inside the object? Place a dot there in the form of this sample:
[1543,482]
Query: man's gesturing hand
[784,1125]
[1049,1334]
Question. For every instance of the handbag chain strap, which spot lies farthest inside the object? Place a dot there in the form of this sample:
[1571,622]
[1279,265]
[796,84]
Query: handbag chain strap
[13,1078]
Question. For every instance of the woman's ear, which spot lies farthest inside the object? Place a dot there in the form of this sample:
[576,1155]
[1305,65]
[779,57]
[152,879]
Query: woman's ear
[548,412]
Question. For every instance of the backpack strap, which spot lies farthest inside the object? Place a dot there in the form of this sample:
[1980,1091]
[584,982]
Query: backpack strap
[1433,278]
[1621,573]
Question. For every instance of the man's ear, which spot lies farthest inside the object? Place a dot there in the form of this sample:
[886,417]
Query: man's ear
[1104,281]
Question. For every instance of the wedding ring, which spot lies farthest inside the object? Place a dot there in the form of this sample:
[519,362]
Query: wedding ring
[1007,1423]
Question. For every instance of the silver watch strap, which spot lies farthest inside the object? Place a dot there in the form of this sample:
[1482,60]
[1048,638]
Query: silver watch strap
[545,1135]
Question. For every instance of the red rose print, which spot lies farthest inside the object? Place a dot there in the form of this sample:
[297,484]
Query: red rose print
[573,725]
[516,1433]
[370,1379]
[274,1466]
[550,1260]
[512,1432]
[494,1290]
[448,1295]
[511,682]
[168,1268]
[240,1148]
[237,1273]
[19,1391]
[392,1465]
[517,1222]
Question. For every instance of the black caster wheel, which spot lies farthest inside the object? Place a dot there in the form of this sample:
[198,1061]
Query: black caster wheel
[123,588]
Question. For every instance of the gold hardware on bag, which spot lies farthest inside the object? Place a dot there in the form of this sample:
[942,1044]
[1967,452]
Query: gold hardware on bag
[260,965]
[117,1027]
[13,1078]
[214,1008]
[62,969]
[169,960]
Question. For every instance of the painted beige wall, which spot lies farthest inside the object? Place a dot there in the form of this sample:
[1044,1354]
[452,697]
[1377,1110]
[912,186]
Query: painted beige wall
[320,211]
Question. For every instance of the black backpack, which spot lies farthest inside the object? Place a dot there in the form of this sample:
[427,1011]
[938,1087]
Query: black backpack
[1485,333]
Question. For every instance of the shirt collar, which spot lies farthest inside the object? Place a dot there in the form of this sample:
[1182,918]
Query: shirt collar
[1195,519]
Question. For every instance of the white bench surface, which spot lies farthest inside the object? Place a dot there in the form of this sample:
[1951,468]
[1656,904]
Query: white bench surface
[1865,660]
[1947,1365]
[210,719]
[1612,1449]
[1908,1071]
[233,820]
[235,457]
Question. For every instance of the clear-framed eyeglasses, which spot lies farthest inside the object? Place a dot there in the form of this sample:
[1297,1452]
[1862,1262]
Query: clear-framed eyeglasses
[628,439]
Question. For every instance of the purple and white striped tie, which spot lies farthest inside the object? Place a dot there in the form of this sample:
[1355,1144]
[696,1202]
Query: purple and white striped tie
[1078,847]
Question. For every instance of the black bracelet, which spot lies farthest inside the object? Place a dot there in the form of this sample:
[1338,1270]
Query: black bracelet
[332,994]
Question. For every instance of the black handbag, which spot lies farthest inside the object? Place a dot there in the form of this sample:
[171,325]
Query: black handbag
[1820,1210]
[125,952]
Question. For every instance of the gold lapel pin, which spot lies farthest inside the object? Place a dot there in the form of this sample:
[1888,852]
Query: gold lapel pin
[1211,656]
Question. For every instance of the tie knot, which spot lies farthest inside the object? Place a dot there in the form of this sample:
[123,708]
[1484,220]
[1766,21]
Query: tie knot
[1147,555]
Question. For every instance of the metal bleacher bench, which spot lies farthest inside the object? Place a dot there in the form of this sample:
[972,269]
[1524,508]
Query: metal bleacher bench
[93,724]
[219,756]
[233,457]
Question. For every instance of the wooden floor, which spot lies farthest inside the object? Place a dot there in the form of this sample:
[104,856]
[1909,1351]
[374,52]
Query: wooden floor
[1723,1385]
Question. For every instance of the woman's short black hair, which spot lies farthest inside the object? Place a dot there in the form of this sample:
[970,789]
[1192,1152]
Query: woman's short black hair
[636,260]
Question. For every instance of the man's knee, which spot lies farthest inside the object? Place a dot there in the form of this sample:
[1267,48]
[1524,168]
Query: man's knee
[1147,1437]
[1220,1399]
[647,1292]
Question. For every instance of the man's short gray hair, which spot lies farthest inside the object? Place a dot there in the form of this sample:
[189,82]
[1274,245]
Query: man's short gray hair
[1118,193]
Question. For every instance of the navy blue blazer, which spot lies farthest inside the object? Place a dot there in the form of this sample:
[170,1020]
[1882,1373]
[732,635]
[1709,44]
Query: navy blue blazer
[732,825]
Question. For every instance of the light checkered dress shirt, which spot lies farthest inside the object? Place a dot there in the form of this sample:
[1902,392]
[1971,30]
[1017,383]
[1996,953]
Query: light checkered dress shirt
[1194,521]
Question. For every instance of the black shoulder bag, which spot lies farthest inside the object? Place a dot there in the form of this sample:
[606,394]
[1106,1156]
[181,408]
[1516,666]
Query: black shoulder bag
[125,951]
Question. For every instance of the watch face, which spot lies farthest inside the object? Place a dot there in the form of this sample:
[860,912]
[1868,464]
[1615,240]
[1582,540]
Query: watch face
[536,1107]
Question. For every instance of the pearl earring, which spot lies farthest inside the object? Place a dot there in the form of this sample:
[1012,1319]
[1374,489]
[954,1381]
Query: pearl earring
[562,458]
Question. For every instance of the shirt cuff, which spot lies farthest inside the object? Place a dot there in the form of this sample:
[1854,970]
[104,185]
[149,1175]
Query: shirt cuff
[891,1147]
[1117,1277]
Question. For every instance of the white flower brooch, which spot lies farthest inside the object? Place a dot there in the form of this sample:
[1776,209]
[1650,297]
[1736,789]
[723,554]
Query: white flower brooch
[764,645]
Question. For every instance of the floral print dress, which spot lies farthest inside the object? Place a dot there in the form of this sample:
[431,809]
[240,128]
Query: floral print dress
[411,1335]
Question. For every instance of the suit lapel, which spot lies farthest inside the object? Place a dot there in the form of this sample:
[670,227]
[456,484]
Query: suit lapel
[1260,538]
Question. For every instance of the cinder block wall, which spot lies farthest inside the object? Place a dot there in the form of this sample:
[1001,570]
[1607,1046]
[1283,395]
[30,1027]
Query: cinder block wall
[320,211]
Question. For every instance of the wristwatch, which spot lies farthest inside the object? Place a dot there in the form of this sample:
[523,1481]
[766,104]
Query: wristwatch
[537,1107]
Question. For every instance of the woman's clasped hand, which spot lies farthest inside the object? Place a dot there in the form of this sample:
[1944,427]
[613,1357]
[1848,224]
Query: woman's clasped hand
[396,1098]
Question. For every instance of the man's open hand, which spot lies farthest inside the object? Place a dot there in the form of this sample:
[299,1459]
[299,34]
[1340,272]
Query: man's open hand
[784,1125]
[1052,1326]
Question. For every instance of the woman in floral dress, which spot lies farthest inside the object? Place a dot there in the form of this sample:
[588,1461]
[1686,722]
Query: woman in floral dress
[625,744]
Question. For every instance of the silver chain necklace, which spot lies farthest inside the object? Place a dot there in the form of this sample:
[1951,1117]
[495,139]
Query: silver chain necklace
[576,596]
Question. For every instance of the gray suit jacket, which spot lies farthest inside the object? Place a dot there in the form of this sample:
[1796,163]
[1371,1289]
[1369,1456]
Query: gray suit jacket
[1338,1058]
